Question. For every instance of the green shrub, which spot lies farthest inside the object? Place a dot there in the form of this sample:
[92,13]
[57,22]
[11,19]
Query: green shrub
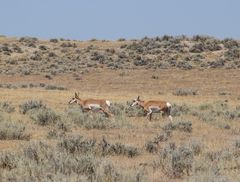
[6,107]
[196,147]
[135,111]
[185,92]
[210,176]
[117,109]
[55,134]
[204,107]
[217,114]
[176,162]
[45,116]
[152,146]
[39,161]
[8,161]
[77,144]
[230,43]
[63,125]
[117,149]
[185,126]
[178,110]
[54,40]
[98,121]
[107,172]
[232,114]
[37,151]
[53,87]
[11,130]
[29,105]
[80,145]
[237,144]
[207,116]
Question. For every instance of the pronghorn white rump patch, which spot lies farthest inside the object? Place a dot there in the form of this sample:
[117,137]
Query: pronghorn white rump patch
[108,102]
[168,104]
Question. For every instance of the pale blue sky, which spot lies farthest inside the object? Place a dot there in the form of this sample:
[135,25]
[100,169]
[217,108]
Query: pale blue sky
[112,19]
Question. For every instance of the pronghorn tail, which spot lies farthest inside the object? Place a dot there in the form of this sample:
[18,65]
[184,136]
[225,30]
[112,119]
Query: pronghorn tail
[108,103]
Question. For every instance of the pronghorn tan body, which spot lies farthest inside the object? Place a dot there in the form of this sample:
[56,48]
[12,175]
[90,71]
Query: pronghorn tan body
[154,106]
[92,104]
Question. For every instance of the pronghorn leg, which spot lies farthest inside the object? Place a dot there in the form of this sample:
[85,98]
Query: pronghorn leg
[108,114]
[169,113]
[150,114]
[164,114]
[150,117]
[169,107]
[86,110]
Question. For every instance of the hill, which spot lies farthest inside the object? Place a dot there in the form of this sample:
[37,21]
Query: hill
[56,56]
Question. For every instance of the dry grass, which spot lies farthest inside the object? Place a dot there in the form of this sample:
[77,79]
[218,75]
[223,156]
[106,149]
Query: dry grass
[120,86]
[122,89]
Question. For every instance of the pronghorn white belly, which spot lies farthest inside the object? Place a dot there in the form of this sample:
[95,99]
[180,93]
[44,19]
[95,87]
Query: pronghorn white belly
[155,109]
[94,106]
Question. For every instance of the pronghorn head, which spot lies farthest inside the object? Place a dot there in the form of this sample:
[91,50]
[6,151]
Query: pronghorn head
[74,99]
[135,101]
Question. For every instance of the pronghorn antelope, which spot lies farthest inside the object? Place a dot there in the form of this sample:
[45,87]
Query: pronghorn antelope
[92,104]
[153,106]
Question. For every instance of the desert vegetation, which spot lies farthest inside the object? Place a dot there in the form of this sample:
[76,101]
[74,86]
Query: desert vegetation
[66,56]
[43,138]
[63,152]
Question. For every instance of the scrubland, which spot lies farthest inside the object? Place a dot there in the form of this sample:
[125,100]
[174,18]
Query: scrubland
[43,138]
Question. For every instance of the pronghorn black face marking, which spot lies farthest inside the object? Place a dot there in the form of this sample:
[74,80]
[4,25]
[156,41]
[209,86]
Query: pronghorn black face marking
[73,100]
[135,101]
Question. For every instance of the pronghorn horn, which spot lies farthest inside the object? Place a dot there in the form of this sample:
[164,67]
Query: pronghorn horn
[76,95]
[138,98]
